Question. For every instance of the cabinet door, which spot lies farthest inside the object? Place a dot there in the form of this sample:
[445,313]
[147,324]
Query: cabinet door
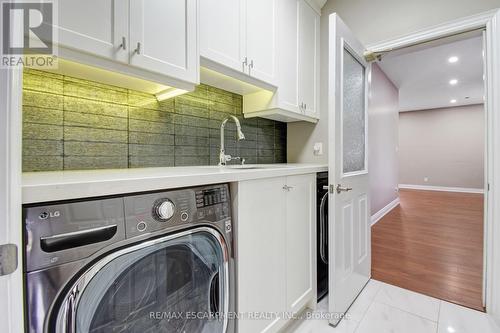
[300,228]
[97,27]
[163,36]
[288,44]
[309,59]
[261,252]
[261,27]
[222,32]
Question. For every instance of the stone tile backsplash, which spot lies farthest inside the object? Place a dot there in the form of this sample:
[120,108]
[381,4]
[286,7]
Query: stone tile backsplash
[72,124]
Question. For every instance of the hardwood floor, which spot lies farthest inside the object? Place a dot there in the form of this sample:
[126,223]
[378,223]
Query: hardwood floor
[432,244]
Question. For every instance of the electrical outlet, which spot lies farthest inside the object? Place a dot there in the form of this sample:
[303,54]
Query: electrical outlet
[318,148]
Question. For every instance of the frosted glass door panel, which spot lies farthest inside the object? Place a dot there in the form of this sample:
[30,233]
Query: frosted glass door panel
[353,115]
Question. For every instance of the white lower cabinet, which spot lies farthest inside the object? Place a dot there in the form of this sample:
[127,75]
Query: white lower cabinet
[300,229]
[275,225]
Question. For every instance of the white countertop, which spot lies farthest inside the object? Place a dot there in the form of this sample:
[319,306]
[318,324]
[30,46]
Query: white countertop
[64,185]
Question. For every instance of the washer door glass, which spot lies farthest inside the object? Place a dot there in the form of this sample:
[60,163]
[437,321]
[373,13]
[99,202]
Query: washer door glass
[176,285]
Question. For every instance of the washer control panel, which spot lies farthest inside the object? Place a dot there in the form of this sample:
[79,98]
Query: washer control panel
[210,197]
[163,210]
[150,212]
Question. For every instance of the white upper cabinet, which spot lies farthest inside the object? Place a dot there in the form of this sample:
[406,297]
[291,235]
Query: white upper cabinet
[155,40]
[222,33]
[98,27]
[288,34]
[240,35]
[261,19]
[308,64]
[297,96]
[163,37]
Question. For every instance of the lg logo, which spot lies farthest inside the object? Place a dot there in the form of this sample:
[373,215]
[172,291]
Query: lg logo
[46,215]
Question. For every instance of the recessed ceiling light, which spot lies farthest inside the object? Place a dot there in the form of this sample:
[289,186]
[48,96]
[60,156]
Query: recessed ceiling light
[453,101]
[452,60]
[453,82]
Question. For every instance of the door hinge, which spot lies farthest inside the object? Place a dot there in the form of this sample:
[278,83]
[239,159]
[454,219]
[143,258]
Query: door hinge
[488,187]
[8,259]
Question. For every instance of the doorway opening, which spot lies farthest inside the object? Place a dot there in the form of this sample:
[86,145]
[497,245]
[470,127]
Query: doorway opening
[427,145]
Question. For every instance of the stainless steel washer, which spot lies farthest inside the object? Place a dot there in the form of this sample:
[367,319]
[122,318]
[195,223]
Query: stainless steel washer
[151,262]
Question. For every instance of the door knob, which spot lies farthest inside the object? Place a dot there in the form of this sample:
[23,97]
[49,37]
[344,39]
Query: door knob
[341,188]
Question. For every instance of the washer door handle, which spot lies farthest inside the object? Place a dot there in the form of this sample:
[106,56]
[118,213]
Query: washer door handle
[323,235]
[77,238]
[70,311]
[214,295]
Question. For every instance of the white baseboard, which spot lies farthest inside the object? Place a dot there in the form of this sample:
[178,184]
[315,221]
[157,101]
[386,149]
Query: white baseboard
[384,211]
[442,188]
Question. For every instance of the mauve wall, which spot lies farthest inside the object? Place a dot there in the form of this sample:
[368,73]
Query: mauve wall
[446,146]
[70,123]
[383,140]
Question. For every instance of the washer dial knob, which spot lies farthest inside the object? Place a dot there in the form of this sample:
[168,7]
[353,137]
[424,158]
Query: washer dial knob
[164,210]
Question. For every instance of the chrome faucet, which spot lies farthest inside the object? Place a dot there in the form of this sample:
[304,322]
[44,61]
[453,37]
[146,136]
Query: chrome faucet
[223,158]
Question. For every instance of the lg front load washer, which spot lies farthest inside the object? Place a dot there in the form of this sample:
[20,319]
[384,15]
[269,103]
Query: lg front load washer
[150,262]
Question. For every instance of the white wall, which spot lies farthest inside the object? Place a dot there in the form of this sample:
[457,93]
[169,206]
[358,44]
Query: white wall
[446,146]
[382,140]
[372,21]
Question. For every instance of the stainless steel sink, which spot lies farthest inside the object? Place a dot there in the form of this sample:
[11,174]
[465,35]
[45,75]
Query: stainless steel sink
[244,167]
[253,166]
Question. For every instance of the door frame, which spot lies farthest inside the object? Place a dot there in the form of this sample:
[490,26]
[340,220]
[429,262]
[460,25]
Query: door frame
[11,286]
[490,22]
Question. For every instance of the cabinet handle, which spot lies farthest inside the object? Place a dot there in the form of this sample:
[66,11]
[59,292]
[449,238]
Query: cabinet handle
[245,63]
[138,48]
[123,45]
[287,188]
[251,64]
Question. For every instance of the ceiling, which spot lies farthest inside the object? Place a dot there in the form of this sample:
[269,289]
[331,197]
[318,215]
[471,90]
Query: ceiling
[423,74]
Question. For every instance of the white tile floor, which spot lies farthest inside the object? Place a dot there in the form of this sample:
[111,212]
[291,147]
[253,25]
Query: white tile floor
[382,308]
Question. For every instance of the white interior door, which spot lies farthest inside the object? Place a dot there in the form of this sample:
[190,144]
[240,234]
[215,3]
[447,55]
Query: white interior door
[349,232]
